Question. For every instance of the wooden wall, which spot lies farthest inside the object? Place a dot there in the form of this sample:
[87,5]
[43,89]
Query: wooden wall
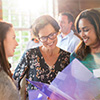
[75,6]
[85,4]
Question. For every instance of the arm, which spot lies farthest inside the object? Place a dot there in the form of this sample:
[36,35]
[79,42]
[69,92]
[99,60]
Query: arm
[21,67]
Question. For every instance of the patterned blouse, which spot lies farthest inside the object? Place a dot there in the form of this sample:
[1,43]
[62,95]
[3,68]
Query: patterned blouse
[38,69]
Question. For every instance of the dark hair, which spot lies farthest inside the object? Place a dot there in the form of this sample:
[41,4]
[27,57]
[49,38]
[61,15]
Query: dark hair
[4,28]
[69,15]
[42,21]
[93,16]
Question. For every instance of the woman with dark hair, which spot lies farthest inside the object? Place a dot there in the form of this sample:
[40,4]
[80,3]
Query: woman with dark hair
[44,62]
[8,43]
[88,26]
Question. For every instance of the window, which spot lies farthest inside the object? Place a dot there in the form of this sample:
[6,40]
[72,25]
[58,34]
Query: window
[22,13]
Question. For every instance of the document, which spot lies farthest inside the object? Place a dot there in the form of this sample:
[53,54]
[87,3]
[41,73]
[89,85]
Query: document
[75,82]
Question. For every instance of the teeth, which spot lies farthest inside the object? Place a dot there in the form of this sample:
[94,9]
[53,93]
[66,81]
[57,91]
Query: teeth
[85,40]
[51,43]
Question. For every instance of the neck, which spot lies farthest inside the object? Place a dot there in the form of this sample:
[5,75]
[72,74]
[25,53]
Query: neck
[96,48]
[50,52]
[65,33]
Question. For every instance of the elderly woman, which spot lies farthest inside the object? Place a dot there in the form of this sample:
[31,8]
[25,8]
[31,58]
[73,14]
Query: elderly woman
[44,62]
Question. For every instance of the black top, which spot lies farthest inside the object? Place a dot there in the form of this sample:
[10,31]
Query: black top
[38,69]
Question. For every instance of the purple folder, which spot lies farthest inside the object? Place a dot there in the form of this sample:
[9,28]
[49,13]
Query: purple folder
[36,95]
[75,82]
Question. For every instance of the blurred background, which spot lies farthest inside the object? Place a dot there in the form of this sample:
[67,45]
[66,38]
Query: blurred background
[22,13]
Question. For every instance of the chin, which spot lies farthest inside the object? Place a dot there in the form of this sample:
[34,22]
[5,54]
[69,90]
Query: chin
[11,55]
[87,44]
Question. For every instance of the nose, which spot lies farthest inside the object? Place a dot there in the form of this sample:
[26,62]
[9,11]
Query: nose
[82,34]
[16,43]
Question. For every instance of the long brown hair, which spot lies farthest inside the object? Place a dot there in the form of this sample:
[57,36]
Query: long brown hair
[4,28]
[93,16]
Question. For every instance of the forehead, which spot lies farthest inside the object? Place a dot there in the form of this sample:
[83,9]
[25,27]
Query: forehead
[10,32]
[84,22]
[46,30]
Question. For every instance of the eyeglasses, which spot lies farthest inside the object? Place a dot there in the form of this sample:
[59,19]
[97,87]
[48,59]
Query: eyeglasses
[50,36]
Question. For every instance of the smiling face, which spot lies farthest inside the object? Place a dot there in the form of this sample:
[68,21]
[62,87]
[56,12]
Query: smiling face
[46,31]
[10,43]
[65,26]
[87,32]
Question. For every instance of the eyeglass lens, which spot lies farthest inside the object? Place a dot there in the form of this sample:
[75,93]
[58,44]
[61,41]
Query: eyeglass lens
[50,36]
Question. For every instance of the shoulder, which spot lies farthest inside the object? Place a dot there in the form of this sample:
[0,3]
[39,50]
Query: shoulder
[3,76]
[63,52]
[8,90]
[64,57]
[31,51]
[5,80]
[76,37]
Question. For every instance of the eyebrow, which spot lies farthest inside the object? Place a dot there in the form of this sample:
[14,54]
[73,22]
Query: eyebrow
[84,27]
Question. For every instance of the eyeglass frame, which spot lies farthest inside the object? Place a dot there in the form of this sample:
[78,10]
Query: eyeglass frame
[46,37]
